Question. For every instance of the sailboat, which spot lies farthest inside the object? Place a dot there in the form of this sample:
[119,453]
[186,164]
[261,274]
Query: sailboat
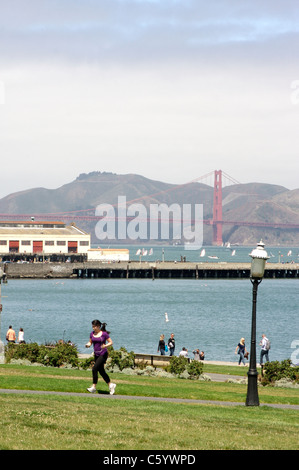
[233,252]
[202,253]
[150,252]
[138,252]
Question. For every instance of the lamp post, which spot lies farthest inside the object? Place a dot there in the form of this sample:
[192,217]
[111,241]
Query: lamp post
[258,261]
[2,278]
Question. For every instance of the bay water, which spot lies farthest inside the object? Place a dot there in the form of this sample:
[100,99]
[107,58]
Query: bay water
[211,315]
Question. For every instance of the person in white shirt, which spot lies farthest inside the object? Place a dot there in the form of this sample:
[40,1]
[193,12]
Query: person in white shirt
[184,352]
[21,336]
[264,350]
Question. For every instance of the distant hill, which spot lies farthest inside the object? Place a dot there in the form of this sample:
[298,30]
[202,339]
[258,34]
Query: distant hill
[253,202]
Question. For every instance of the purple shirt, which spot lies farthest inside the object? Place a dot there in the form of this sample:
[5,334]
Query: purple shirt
[97,343]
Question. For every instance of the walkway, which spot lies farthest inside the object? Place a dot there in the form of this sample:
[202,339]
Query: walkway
[130,397]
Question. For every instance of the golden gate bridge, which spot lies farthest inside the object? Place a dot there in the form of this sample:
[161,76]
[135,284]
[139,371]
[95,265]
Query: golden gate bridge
[216,221]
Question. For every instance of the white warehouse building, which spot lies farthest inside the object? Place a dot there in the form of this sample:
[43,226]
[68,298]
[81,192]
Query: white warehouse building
[42,238]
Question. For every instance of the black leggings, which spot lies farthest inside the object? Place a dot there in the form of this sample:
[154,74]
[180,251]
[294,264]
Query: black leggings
[99,368]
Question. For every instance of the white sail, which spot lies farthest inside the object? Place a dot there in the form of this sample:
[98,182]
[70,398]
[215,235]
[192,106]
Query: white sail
[202,253]
[166,317]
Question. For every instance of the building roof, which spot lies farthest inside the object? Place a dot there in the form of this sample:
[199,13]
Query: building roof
[39,228]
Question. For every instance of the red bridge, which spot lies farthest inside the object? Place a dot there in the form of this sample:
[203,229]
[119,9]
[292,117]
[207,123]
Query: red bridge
[217,222]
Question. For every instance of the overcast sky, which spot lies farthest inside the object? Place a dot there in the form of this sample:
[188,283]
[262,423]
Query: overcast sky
[168,89]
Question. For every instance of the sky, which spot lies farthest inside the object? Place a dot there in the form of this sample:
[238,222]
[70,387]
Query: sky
[168,89]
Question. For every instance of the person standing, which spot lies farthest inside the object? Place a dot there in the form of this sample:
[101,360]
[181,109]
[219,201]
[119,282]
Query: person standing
[264,349]
[171,345]
[21,336]
[161,345]
[11,335]
[100,340]
[184,352]
[196,354]
[240,349]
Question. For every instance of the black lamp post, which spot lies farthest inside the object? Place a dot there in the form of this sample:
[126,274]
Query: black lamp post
[259,257]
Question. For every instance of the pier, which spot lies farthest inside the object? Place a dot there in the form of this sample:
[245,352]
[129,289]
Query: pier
[182,270]
[145,270]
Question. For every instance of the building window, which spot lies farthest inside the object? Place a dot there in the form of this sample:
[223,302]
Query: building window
[49,243]
[61,243]
[84,243]
[25,242]
[3,242]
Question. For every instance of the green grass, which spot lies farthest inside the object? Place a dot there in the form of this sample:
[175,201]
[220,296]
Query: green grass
[97,422]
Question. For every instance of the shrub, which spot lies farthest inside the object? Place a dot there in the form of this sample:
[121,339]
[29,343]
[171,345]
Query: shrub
[121,358]
[177,365]
[195,369]
[275,370]
[54,356]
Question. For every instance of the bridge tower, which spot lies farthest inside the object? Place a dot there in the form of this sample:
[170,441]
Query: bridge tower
[217,208]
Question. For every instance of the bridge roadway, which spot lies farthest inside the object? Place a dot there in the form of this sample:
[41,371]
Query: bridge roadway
[144,269]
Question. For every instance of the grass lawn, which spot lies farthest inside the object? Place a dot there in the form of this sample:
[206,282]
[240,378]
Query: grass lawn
[97,422]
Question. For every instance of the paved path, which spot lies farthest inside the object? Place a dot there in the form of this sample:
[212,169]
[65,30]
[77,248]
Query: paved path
[130,397]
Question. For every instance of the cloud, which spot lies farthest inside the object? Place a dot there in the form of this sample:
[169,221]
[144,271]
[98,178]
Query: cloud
[167,89]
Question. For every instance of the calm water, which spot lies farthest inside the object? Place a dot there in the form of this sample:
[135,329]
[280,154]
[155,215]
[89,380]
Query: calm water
[234,254]
[211,315]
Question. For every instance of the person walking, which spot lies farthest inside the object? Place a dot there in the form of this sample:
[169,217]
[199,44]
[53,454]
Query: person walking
[161,345]
[11,335]
[171,345]
[241,350]
[100,339]
[264,343]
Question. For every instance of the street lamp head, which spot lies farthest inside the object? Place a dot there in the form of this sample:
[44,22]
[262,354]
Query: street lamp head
[259,257]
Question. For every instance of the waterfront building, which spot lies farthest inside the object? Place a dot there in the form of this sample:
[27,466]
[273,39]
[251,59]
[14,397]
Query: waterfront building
[42,238]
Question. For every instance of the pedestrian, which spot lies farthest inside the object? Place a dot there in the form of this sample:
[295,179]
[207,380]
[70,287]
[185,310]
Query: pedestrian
[21,336]
[265,346]
[100,339]
[202,355]
[161,345]
[184,352]
[10,335]
[171,345]
[196,354]
[241,350]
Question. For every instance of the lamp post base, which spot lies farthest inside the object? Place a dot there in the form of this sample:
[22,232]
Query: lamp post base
[252,398]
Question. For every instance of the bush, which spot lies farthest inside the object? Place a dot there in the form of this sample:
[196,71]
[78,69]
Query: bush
[195,369]
[275,370]
[121,358]
[55,356]
[177,365]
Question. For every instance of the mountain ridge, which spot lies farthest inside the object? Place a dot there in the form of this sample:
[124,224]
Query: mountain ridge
[252,202]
